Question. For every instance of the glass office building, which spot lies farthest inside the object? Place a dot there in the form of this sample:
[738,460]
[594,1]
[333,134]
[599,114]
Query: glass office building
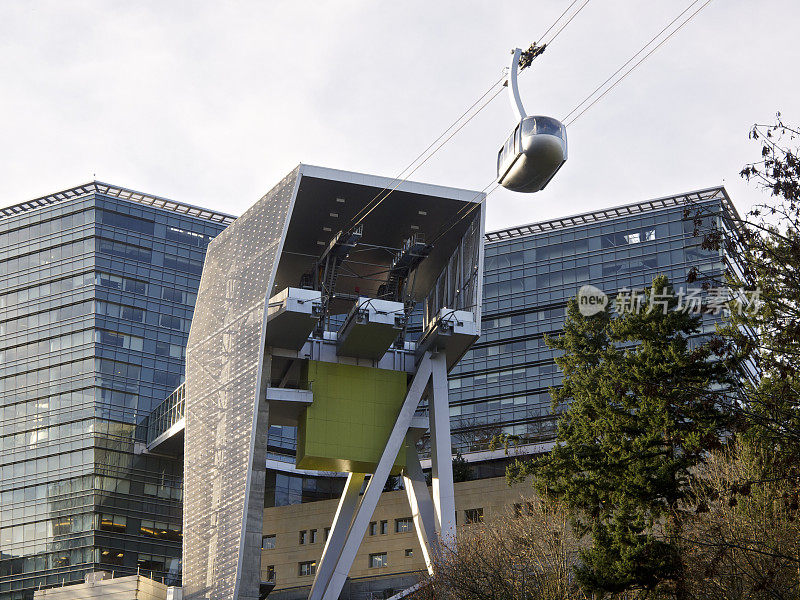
[501,386]
[97,289]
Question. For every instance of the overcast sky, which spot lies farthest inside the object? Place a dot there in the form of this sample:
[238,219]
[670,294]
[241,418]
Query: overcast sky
[211,103]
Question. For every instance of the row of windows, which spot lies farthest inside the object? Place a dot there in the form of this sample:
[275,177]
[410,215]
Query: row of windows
[115,219]
[44,290]
[127,251]
[46,492]
[309,567]
[54,344]
[548,249]
[167,379]
[120,340]
[171,350]
[151,562]
[107,280]
[534,283]
[46,257]
[191,238]
[50,317]
[478,440]
[14,537]
[52,288]
[506,404]
[147,527]
[43,562]
[120,311]
[50,375]
[132,313]
[400,526]
[185,265]
[51,407]
[11,537]
[126,284]
[528,317]
[506,375]
[45,228]
[173,295]
[176,323]
[41,435]
[634,236]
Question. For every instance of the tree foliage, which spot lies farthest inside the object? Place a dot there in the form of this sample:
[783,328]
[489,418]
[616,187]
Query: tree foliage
[743,540]
[645,406]
[527,554]
[765,338]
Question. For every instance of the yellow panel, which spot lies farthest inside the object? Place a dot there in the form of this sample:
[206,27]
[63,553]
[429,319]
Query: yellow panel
[348,425]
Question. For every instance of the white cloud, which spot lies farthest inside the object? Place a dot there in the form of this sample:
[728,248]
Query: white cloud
[212,102]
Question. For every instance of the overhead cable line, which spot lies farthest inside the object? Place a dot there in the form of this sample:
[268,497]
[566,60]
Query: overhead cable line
[535,50]
[632,58]
[575,14]
[467,210]
[405,173]
[561,16]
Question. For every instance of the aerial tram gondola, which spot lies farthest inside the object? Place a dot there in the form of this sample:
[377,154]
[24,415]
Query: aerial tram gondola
[535,150]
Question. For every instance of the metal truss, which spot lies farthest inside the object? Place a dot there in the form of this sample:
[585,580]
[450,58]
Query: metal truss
[434,516]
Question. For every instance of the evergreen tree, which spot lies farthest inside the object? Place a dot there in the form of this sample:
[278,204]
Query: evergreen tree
[642,403]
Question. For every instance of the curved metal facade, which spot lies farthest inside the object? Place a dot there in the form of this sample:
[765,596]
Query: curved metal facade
[226,424]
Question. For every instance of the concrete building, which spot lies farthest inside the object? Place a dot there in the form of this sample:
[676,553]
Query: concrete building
[127,587]
[97,289]
[390,557]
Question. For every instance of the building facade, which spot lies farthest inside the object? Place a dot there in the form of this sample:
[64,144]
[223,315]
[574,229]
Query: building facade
[501,386]
[97,290]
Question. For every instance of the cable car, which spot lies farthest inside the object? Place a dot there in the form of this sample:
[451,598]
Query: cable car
[535,150]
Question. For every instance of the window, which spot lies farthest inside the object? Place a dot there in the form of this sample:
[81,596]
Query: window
[270,574]
[312,536]
[326,534]
[409,552]
[268,542]
[384,527]
[378,560]
[125,250]
[185,265]
[308,567]
[373,528]
[403,525]
[473,515]
[112,556]
[115,219]
[120,340]
[120,283]
[184,236]
[173,295]
[161,530]
[113,523]
[148,562]
[303,537]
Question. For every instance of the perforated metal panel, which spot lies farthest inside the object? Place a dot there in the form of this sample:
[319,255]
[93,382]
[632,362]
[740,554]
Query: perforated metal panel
[226,424]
